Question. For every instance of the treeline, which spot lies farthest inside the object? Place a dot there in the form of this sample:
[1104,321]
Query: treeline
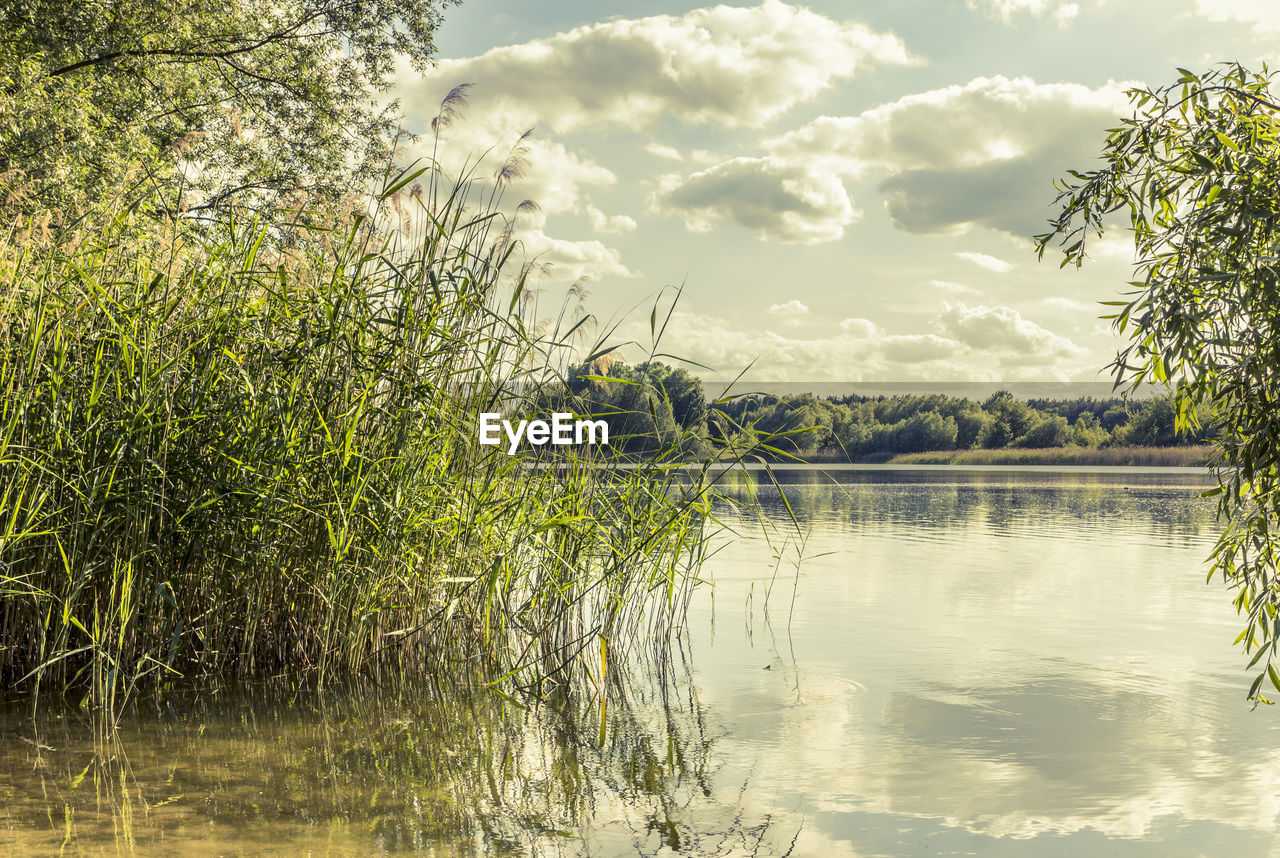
[651,406]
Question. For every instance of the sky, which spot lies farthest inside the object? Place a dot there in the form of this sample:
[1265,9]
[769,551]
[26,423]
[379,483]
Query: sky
[841,191]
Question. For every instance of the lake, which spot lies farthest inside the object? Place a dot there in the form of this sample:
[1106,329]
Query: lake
[935,661]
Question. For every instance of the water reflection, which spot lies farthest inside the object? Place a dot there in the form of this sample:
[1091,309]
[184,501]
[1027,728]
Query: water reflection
[997,665]
[457,771]
[1137,505]
[991,663]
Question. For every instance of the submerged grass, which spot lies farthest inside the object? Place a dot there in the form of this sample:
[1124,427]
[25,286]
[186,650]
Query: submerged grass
[241,451]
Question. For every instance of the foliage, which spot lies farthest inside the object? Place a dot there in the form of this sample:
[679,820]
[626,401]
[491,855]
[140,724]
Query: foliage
[1088,431]
[221,457]
[1011,419]
[266,101]
[851,427]
[1196,170]
[1174,457]
[1048,432]
[650,408]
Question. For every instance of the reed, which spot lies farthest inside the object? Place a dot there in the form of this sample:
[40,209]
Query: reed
[242,450]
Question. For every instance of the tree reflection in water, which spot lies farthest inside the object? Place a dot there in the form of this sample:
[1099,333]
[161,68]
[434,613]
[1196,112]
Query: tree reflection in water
[446,770]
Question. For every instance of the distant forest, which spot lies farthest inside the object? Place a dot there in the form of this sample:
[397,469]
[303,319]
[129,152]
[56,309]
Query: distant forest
[652,407]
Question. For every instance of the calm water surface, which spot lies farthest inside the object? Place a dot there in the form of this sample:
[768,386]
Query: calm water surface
[936,662]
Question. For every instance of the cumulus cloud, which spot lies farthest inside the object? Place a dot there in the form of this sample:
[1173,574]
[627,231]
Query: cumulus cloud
[1112,248]
[547,173]
[554,176]
[1067,305]
[918,348]
[860,327]
[1013,197]
[790,308]
[964,344]
[724,65]
[984,153]
[659,150]
[957,288]
[985,120]
[601,222]
[983,260]
[1066,13]
[1005,10]
[778,202]
[1264,15]
[573,260]
[980,154]
[1003,331]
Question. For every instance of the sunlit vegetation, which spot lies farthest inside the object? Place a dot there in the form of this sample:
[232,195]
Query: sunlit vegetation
[236,450]
[650,405]
[1191,174]
[444,768]
[1182,456]
[854,428]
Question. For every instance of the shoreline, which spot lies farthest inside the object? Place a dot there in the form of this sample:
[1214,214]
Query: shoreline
[1197,456]
[1188,458]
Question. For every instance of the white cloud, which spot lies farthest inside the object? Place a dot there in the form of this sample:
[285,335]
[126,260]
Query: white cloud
[547,171]
[1005,10]
[1003,331]
[991,263]
[965,344]
[860,327]
[660,151]
[1066,13]
[985,120]
[919,348]
[776,201]
[791,308]
[572,260]
[1264,15]
[555,176]
[1067,305]
[1111,248]
[601,222]
[724,65]
[957,288]
[705,157]
[982,153]
[550,175]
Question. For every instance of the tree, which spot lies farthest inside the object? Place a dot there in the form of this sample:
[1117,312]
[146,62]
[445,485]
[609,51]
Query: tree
[633,401]
[1050,431]
[1010,419]
[971,422]
[793,424]
[1087,431]
[257,100]
[1155,424]
[682,390]
[923,431]
[1196,170]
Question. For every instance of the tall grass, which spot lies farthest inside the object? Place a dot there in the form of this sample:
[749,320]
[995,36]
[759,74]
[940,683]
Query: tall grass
[246,451]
